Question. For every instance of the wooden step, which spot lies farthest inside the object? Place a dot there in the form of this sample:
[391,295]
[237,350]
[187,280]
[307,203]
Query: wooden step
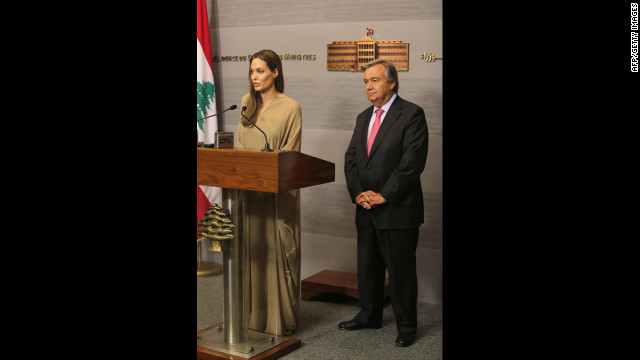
[332,281]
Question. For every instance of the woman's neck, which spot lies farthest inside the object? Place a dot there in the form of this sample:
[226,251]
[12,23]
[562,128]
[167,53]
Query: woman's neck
[268,97]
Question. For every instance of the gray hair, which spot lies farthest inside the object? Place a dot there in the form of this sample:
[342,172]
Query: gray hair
[391,72]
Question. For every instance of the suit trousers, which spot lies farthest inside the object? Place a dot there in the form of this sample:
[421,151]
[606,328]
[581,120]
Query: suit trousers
[392,250]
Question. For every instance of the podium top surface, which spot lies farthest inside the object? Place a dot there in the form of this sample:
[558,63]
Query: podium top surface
[252,169]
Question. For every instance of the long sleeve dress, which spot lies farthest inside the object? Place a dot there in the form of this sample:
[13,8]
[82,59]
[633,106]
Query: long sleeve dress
[275,293]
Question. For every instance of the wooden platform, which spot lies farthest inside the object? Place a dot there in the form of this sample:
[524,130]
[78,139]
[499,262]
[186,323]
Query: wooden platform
[285,346]
[332,281]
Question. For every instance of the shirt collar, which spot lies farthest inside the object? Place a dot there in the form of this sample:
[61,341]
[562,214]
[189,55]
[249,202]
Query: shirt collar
[387,105]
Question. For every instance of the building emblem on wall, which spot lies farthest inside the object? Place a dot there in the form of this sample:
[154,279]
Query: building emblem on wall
[353,55]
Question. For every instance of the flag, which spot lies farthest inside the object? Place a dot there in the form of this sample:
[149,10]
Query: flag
[207,128]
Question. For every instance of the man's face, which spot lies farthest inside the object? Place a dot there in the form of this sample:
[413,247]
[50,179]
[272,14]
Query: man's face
[376,87]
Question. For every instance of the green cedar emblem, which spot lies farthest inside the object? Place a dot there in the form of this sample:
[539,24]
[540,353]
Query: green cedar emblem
[206,96]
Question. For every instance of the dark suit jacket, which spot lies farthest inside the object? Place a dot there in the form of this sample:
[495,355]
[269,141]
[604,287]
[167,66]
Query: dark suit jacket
[398,157]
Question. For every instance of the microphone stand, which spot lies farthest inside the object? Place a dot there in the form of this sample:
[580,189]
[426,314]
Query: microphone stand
[232,107]
[266,142]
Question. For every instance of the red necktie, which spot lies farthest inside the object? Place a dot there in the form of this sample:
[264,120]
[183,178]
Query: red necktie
[374,129]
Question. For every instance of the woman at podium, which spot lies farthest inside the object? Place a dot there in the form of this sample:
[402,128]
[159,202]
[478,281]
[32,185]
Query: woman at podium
[275,245]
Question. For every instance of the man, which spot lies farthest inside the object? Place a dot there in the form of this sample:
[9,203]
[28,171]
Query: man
[384,183]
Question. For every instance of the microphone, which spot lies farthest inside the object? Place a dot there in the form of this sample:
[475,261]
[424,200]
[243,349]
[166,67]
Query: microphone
[266,143]
[232,107]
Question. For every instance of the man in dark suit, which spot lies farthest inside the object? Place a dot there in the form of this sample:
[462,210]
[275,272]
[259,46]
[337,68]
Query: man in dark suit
[383,163]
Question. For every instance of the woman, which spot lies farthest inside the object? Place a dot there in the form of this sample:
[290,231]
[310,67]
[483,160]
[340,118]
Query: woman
[275,246]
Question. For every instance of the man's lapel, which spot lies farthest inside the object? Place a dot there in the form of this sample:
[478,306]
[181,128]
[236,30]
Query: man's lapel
[389,120]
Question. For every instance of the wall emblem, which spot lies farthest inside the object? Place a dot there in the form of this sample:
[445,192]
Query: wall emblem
[353,55]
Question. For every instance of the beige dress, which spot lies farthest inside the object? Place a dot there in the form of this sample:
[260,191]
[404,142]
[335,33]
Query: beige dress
[275,292]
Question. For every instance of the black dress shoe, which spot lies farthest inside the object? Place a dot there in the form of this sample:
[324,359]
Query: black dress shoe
[405,340]
[356,325]
[351,325]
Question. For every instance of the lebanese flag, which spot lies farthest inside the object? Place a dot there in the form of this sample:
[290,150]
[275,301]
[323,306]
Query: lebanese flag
[207,128]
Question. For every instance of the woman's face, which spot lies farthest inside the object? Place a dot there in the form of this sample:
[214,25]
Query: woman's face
[261,76]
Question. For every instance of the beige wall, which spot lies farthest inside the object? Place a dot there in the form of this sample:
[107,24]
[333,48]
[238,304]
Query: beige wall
[331,100]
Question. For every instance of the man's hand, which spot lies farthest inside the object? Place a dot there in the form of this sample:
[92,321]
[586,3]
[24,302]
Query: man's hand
[362,201]
[369,199]
[374,198]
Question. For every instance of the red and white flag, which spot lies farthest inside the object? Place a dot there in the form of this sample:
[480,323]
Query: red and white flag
[207,128]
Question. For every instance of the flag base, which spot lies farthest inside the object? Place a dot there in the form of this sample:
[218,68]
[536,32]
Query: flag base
[207,268]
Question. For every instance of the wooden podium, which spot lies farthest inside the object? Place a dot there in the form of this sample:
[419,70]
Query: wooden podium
[237,171]
[255,170]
